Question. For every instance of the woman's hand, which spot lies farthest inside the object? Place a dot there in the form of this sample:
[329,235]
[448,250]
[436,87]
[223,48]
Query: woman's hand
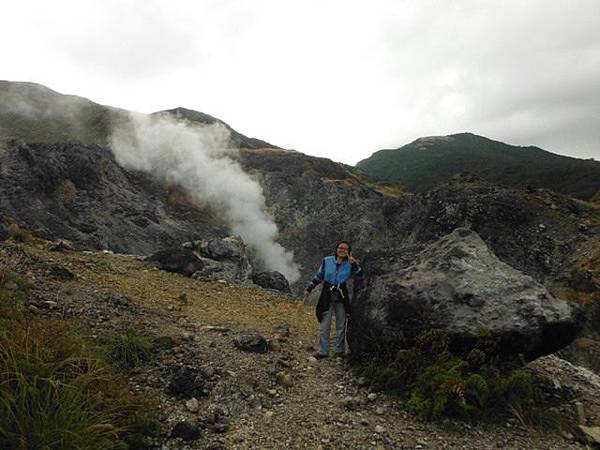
[352,259]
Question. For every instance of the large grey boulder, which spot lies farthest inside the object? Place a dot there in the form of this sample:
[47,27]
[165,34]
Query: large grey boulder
[178,260]
[271,280]
[458,285]
[231,247]
[222,258]
[223,270]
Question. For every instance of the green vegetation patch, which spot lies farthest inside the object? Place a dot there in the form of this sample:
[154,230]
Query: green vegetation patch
[438,383]
[129,350]
[56,390]
[19,234]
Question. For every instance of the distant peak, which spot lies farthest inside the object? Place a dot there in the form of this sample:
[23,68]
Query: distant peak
[190,114]
[428,142]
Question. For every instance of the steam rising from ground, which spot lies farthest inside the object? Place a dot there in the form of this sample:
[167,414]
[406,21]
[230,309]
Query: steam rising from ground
[197,159]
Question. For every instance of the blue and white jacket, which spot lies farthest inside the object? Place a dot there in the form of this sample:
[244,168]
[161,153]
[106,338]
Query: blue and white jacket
[334,273]
[334,277]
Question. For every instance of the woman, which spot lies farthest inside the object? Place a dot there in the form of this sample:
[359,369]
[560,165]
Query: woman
[335,270]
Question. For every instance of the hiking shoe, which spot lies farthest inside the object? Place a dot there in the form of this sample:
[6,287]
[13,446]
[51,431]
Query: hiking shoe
[320,356]
[339,357]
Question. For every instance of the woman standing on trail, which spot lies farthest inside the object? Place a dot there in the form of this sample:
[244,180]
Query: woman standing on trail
[335,270]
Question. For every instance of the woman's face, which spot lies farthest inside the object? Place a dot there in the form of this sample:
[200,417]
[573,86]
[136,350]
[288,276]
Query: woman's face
[343,250]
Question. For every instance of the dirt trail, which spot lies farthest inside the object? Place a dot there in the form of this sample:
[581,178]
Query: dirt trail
[322,405]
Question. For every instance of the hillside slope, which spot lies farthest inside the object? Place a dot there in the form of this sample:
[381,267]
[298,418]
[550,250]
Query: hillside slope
[36,113]
[429,161]
[193,325]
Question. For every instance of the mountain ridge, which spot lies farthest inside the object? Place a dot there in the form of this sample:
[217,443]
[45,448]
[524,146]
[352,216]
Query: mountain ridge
[430,160]
[36,113]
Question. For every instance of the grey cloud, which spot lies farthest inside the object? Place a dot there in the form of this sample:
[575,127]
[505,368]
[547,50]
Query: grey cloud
[127,42]
[528,70]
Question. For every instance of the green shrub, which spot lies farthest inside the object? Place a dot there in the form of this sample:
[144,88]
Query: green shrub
[477,390]
[13,290]
[19,234]
[56,393]
[471,385]
[129,350]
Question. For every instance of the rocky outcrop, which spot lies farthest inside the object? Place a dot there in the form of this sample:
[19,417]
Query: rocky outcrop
[271,280]
[79,192]
[316,202]
[223,259]
[459,286]
[214,259]
[179,260]
[231,247]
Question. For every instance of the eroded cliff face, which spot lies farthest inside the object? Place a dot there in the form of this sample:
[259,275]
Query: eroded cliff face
[316,202]
[79,192]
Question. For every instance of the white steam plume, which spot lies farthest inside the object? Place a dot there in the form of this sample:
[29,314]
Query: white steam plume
[196,157]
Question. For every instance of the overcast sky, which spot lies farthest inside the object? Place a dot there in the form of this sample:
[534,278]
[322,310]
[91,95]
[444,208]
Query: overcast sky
[339,79]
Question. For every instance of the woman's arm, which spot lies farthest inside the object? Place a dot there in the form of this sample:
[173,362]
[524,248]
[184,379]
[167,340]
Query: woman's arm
[317,278]
[356,270]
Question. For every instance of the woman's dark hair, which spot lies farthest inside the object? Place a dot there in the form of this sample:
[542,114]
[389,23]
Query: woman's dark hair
[340,243]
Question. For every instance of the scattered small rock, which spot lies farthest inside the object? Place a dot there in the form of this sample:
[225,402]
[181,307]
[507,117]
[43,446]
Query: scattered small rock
[251,342]
[192,405]
[284,379]
[60,245]
[589,435]
[216,422]
[61,273]
[350,402]
[274,345]
[216,328]
[11,285]
[186,431]
[283,331]
[187,382]
[163,343]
